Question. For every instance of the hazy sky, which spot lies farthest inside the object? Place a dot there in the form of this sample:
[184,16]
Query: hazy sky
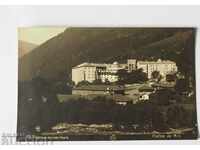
[38,35]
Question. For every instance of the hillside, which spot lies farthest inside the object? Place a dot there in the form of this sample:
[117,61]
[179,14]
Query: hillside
[55,58]
[25,47]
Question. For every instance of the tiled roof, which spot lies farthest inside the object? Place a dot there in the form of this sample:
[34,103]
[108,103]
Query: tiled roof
[90,65]
[156,62]
[86,64]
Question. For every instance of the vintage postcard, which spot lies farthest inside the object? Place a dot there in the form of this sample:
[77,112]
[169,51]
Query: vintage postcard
[86,84]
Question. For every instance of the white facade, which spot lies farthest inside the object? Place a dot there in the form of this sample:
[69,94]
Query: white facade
[108,72]
[92,71]
[132,64]
[83,72]
[163,67]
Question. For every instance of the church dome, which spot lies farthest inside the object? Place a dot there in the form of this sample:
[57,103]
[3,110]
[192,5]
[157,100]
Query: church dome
[159,60]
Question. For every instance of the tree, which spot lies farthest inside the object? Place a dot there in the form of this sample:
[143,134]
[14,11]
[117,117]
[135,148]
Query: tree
[178,117]
[170,77]
[186,59]
[182,85]
[135,76]
[97,82]
[61,87]
[155,74]
[84,82]
[38,106]
[162,96]
[107,82]
[140,76]
[122,75]
[159,119]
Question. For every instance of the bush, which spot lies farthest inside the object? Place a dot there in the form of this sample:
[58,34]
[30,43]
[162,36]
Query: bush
[155,74]
[97,82]
[136,76]
[100,110]
[84,82]
[162,97]
[37,106]
[171,77]
[182,85]
[159,119]
[178,117]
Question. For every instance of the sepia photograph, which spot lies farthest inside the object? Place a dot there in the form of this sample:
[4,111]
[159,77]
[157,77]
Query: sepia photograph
[106,83]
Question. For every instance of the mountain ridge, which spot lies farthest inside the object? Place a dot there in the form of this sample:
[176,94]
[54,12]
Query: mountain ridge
[25,47]
[55,58]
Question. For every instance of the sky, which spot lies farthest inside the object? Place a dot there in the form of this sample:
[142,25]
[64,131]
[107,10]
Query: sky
[38,35]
